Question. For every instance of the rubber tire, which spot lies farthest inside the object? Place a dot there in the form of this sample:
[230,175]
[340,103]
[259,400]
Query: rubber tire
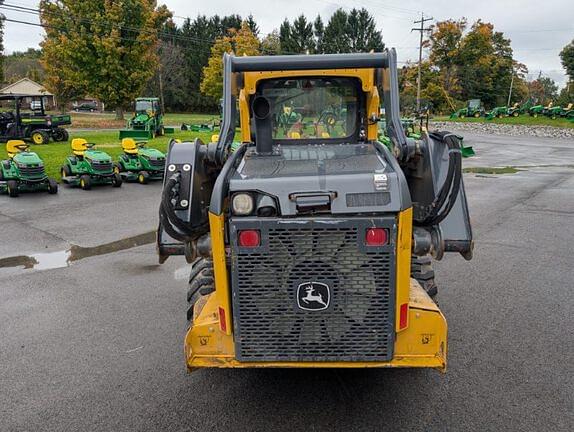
[201,282]
[12,188]
[143,177]
[422,271]
[534,115]
[60,135]
[52,186]
[117,180]
[118,167]
[476,115]
[515,114]
[66,171]
[41,137]
[85,182]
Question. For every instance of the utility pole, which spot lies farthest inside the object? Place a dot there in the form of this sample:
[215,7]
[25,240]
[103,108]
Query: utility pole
[422,29]
[511,82]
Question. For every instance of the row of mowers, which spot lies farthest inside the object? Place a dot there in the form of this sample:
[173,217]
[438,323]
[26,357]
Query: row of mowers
[24,170]
[474,108]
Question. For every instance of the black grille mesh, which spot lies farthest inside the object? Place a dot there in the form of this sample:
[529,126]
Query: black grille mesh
[104,167]
[33,172]
[157,163]
[357,326]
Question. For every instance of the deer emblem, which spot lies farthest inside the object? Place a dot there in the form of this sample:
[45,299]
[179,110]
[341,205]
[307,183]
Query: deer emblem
[313,298]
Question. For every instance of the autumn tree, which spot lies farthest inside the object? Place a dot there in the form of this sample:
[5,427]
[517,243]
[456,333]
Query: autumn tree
[271,44]
[104,48]
[241,42]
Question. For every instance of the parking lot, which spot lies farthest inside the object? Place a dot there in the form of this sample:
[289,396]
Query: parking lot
[98,345]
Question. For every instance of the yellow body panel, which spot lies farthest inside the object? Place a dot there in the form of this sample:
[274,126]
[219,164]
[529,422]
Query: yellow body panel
[222,291]
[403,269]
[422,344]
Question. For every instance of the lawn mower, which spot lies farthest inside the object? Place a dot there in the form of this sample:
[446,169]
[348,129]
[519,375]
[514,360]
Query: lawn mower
[503,111]
[35,125]
[87,166]
[557,111]
[147,121]
[473,108]
[536,110]
[139,162]
[210,126]
[24,171]
[311,249]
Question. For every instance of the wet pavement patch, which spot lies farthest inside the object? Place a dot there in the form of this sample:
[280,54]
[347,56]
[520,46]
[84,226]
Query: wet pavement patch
[63,258]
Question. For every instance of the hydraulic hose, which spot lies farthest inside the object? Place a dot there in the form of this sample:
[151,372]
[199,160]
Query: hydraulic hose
[170,221]
[446,198]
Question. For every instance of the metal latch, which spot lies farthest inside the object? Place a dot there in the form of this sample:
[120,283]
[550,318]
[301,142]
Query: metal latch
[313,201]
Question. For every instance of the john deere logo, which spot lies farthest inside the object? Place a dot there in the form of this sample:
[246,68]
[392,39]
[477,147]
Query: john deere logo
[313,296]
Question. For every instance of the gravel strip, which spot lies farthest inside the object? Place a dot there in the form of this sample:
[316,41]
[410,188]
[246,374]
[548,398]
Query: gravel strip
[505,129]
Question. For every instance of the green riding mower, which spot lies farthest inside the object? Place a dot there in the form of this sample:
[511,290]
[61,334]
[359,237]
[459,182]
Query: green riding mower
[17,123]
[473,108]
[87,166]
[558,111]
[139,162]
[24,171]
[503,111]
[147,121]
[536,110]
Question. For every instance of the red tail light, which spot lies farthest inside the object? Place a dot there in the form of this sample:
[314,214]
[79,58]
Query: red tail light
[249,238]
[376,237]
[222,323]
[403,316]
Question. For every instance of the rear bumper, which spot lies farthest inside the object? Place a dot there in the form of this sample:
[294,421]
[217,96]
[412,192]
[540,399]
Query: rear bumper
[423,344]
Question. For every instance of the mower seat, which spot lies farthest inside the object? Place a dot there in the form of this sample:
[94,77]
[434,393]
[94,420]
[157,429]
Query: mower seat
[129,146]
[569,107]
[13,147]
[79,146]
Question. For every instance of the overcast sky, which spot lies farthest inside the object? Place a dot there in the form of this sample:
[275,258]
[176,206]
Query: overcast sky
[538,29]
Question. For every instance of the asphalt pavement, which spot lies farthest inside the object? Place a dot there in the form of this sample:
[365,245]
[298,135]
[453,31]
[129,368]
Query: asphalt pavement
[98,345]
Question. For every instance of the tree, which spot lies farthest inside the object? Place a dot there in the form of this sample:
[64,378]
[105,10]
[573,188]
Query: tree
[543,89]
[285,38]
[170,80]
[104,48]
[1,45]
[302,36]
[23,64]
[318,32]
[567,58]
[363,33]
[336,38]
[252,25]
[242,42]
[271,44]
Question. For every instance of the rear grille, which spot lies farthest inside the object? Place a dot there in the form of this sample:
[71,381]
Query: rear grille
[320,265]
[33,172]
[103,167]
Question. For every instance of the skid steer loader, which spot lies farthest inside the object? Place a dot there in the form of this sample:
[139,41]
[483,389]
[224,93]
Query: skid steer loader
[301,239]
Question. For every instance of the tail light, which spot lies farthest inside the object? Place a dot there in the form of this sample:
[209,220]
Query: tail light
[249,238]
[376,237]
[403,316]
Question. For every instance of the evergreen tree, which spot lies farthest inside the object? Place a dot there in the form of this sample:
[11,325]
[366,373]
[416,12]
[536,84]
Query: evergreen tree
[252,25]
[302,36]
[319,31]
[363,33]
[336,38]
[567,58]
[285,38]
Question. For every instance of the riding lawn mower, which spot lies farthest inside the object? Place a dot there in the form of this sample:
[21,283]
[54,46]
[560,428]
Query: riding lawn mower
[139,162]
[24,171]
[87,166]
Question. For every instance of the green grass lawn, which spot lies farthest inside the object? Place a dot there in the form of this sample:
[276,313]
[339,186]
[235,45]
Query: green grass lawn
[54,154]
[521,120]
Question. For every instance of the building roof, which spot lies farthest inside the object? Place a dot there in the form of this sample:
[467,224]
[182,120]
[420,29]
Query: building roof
[25,86]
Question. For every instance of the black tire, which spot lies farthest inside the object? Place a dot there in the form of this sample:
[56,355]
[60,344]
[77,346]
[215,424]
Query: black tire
[422,271]
[66,171]
[52,187]
[118,167]
[12,188]
[515,114]
[40,137]
[60,134]
[117,180]
[85,182]
[476,115]
[201,282]
[143,177]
